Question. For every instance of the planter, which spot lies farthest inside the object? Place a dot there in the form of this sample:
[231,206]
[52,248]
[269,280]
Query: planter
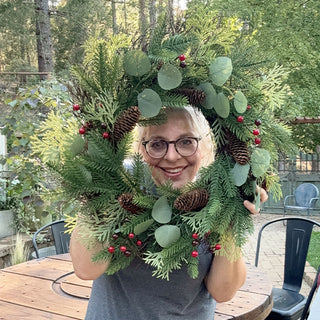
[6,223]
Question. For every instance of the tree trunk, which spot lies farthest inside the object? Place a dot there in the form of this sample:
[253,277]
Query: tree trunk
[170,15]
[114,17]
[152,15]
[43,34]
[142,23]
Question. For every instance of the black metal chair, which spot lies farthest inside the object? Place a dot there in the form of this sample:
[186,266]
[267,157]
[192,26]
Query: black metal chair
[314,288]
[288,303]
[304,199]
[60,237]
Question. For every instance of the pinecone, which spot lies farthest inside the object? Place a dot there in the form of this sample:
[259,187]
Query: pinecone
[193,200]
[126,202]
[125,123]
[195,97]
[238,149]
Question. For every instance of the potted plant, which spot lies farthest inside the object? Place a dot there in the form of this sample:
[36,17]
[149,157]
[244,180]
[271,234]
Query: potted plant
[6,217]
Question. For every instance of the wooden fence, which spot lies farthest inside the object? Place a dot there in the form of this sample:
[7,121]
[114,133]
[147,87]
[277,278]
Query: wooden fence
[293,172]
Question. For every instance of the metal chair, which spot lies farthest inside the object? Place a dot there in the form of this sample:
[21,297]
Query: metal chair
[61,238]
[315,286]
[305,198]
[288,303]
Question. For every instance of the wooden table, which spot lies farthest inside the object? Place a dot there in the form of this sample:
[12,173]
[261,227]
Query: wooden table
[47,288]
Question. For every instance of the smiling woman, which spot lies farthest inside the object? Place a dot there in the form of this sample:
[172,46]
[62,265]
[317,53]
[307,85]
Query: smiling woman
[162,237]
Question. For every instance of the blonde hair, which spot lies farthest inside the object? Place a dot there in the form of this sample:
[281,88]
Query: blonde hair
[200,125]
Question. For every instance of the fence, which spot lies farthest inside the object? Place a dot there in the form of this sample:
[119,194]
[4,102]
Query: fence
[292,172]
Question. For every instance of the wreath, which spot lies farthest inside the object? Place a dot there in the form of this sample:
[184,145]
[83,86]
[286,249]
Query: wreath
[120,86]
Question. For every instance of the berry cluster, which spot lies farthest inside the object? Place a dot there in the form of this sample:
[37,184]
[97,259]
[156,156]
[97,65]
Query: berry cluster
[182,59]
[123,248]
[256,131]
[88,125]
[195,242]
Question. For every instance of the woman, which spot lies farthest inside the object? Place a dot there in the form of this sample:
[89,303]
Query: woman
[174,151]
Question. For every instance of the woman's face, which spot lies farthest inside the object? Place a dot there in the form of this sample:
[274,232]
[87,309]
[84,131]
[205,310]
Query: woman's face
[179,169]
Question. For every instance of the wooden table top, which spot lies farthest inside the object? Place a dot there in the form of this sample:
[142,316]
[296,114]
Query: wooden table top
[47,288]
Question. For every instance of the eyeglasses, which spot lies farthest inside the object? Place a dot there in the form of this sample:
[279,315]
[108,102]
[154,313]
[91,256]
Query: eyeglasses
[157,149]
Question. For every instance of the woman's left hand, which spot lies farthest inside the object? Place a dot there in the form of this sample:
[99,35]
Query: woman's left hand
[251,206]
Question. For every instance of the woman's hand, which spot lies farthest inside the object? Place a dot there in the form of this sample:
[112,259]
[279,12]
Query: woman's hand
[251,206]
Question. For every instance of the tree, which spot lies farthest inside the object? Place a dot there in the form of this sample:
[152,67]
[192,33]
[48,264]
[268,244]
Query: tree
[287,32]
[43,35]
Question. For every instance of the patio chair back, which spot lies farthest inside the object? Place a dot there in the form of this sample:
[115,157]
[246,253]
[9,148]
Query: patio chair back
[288,302]
[304,193]
[60,237]
[305,198]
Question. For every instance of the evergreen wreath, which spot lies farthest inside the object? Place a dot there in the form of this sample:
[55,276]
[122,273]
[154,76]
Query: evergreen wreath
[119,87]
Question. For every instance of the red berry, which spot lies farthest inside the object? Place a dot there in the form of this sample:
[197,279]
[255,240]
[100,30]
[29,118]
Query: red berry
[82,130]
[105,135]
[182,57]
[217,246]
[111,249]
[240,119]
[257,122]
[139,243]
[76,107]
[103,125]
[194,253]
[256,132]
[183,64]
[127,253]
[131,235]
[123,248]
[248,107]
[257,140]
[195,236]
[115,236]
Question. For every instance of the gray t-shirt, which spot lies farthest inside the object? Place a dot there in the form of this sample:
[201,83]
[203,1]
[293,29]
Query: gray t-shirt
[134,294]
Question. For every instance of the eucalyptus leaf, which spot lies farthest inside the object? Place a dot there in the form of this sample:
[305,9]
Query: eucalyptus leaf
[162,211]
[136,63]
[221,105]
[166,235]
[260,161]
[211,94]
[169,77]
[239,174]
[240,102]
[220,70]
[149,103]
[143,226]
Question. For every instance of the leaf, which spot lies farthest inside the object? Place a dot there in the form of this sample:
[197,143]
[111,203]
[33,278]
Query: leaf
[220,70]
[260,161]
[167,235]
[239,174]
[169,77]
[211,94]
[240,102]
[143,226]
[149,103]
[161,211]
[136,63]
[221,105]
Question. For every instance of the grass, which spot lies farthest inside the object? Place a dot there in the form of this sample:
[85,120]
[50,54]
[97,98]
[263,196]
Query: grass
[313,256]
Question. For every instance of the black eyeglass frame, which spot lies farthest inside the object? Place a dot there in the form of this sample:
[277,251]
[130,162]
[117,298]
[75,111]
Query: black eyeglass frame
[174,142]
